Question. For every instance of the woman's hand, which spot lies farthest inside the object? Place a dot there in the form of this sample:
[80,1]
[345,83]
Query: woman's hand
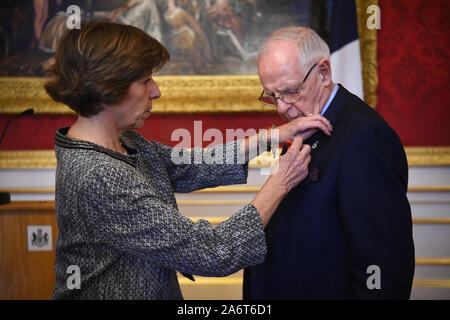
[292,167]
[304,127]
[290,170]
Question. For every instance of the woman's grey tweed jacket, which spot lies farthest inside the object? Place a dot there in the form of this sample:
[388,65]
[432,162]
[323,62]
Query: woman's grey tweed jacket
[119,223]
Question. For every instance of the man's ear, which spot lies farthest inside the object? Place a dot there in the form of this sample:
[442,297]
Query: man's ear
[325,72]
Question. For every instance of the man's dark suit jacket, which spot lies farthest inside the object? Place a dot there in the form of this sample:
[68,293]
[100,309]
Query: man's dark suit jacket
[326,233]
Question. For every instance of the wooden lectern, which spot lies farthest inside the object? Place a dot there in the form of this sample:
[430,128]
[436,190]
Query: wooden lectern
[27,253]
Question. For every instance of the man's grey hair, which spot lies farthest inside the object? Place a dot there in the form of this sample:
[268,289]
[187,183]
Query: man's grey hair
[311,47]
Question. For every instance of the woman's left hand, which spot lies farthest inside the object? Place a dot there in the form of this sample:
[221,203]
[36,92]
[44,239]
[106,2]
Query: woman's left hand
[304,127]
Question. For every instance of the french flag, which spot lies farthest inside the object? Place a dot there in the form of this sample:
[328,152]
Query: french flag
[344,46]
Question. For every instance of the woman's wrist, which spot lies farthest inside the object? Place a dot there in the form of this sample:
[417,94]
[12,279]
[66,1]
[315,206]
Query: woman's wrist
[285,132]
[268,199]
[276,186]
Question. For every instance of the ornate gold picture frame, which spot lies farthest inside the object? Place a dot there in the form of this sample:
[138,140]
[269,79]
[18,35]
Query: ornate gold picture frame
[192,94]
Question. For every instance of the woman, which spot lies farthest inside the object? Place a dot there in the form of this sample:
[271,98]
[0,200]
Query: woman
[115,206]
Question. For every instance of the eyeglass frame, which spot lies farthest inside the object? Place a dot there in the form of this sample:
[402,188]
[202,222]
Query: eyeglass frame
[281,94]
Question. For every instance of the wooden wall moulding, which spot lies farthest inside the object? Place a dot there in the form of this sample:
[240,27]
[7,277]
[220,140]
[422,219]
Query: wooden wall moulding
[36,159]
[180,94]
[417,156]
[368,46]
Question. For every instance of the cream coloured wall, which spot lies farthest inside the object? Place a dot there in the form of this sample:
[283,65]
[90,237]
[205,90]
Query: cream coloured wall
[429,195]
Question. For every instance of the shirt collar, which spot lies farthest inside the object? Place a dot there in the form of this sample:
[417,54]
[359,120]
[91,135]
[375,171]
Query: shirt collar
[330,99]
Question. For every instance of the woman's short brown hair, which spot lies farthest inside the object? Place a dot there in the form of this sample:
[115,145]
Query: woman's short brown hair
[96,65]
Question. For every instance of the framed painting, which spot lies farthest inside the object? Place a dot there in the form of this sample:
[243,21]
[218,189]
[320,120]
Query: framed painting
[213,46]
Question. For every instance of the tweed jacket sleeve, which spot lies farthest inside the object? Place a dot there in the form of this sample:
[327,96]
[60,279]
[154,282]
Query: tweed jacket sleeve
[119,222]
[138,221]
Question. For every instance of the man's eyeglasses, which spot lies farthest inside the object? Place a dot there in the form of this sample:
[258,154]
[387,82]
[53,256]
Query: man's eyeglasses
[287,96]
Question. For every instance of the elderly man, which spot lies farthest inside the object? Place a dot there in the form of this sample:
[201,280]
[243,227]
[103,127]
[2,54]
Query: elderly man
[346,232]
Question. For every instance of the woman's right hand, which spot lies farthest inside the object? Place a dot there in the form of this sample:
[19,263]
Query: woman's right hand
[291,169]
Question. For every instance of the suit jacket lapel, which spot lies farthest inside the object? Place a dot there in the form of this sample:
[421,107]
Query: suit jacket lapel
[318,139]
